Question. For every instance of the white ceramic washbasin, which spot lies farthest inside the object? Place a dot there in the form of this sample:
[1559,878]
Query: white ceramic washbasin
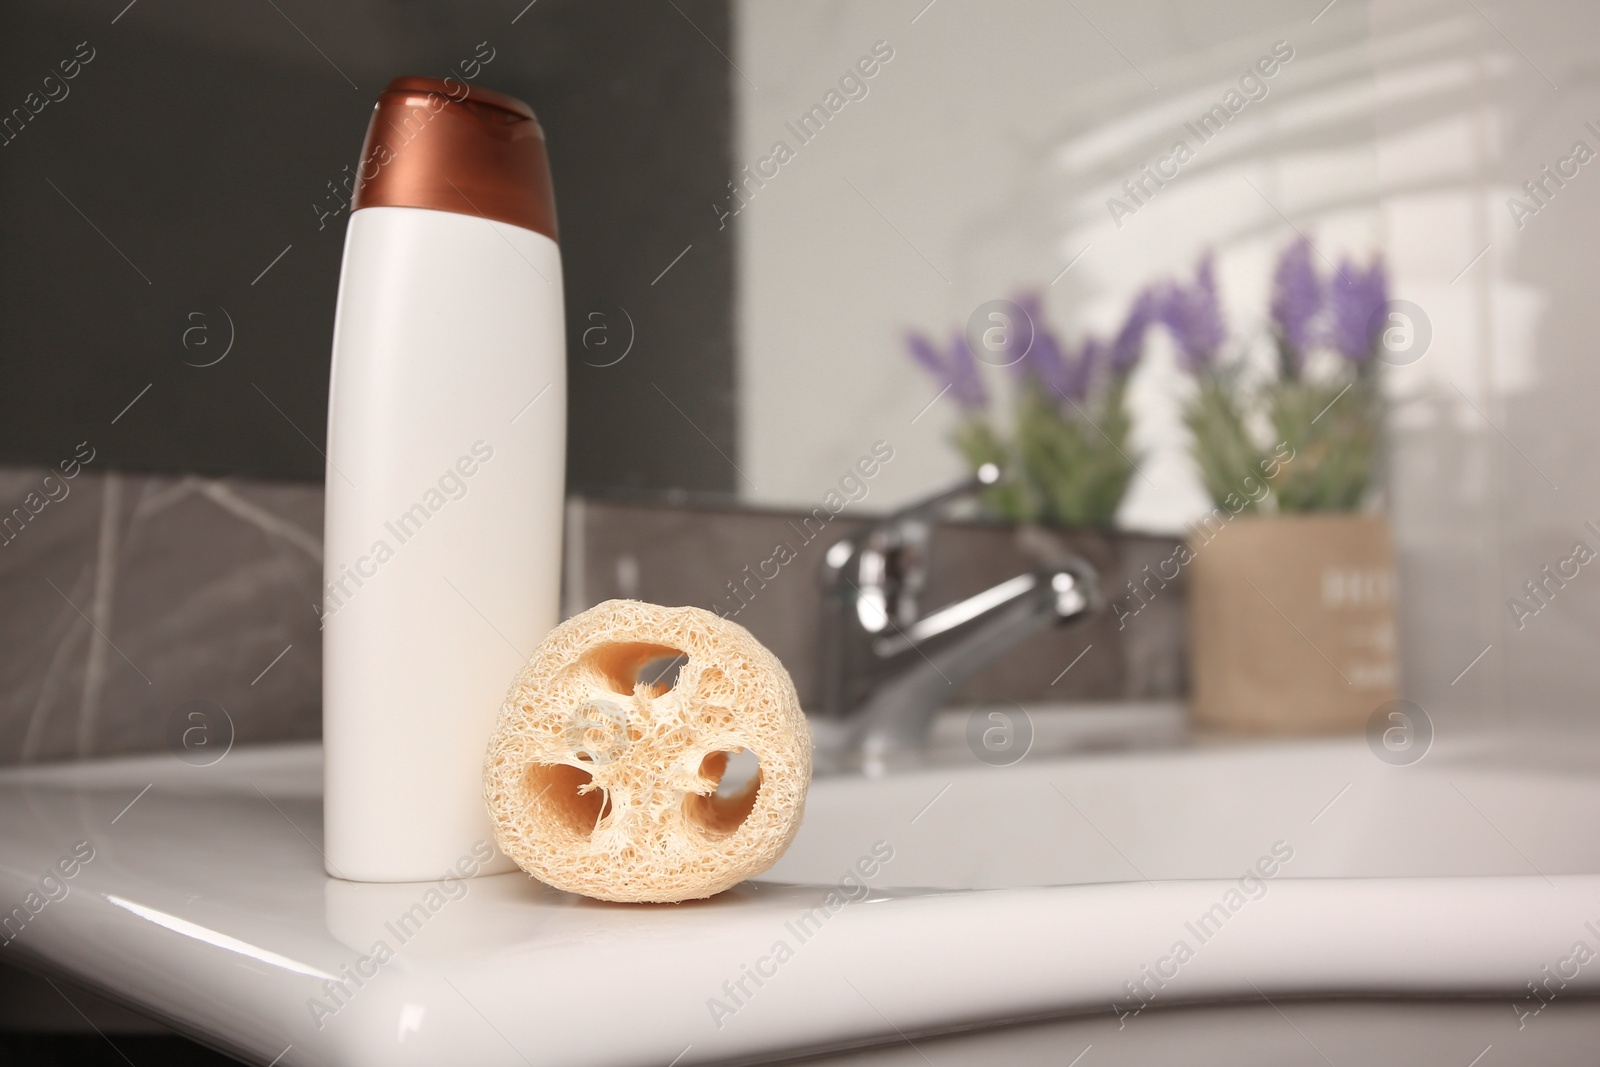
[950,897]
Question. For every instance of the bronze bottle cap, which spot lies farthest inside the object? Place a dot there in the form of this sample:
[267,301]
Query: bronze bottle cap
[443,144]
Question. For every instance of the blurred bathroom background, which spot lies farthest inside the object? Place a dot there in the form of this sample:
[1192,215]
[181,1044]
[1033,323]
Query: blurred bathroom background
[174,215]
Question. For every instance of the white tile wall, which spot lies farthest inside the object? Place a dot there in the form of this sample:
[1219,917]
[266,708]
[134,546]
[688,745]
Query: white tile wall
[980,162]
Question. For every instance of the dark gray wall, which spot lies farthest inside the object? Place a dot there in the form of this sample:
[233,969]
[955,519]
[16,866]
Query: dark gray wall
[192,150]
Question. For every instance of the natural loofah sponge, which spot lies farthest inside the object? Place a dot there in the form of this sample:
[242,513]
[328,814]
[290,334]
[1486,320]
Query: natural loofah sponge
[603,781]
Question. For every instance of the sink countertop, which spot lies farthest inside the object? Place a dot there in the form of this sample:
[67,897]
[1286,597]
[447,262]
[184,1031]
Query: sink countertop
[204,904]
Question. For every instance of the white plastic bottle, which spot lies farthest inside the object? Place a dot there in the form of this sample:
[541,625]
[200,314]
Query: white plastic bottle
[446,451]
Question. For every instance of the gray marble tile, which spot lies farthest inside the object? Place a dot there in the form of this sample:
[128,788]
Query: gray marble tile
[133,595]
[692,556]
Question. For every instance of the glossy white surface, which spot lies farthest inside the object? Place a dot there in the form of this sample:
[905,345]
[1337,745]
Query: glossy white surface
[206,905]
[446,445]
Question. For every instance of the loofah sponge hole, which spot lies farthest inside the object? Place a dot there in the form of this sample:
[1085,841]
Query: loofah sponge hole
[725,809]
[566,797]
[622,666]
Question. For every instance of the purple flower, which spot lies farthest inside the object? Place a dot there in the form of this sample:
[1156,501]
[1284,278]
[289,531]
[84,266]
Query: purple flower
[1193,315]
[958,371]
[1296,300]
[1048,363]
[1356,300]
[1020,338]
[1128,345]
[1045,362]
[1091,358]
[1065,377]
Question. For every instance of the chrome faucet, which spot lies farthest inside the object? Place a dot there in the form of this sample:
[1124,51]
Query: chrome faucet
[888,668]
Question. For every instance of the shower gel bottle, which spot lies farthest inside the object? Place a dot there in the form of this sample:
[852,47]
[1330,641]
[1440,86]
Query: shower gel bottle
[446,449]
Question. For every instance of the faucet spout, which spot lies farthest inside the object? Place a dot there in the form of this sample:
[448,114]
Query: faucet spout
[922,667]
[889,668]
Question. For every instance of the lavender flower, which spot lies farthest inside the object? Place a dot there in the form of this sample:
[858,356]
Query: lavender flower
[1020,338]
[1092,356]
[1356,300]
[1066,377]
[1045,362]
[1296,301]
[965,378]
[1128,345]
[958,370]
[1193,315]
[922,351]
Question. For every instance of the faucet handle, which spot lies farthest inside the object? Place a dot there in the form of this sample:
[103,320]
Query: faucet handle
[929,508]
[887,567]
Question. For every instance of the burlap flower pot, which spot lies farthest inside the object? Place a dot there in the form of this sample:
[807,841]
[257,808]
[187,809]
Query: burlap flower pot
[1293,622]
